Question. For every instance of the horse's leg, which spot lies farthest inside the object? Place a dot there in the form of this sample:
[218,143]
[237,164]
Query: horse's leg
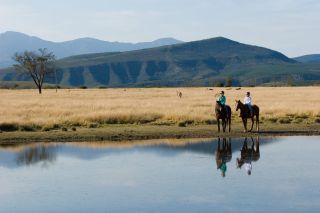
[218,122]
[252,122]
[257,122]
[244,121]
[224,125]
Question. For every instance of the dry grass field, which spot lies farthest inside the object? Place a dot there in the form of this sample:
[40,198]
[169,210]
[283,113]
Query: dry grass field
[159,106]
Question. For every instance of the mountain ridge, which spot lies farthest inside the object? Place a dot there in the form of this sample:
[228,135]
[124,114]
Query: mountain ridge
[311,58]
[11,42]
[198,63]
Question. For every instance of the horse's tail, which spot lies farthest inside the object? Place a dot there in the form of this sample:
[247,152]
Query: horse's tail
[257,118]
[229,117]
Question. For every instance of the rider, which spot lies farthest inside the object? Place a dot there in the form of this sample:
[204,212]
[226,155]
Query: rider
[222,99]
[223,169]
[248,102]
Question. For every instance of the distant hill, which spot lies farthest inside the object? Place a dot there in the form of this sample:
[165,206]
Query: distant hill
[314,59]
[199,63]
[11,42]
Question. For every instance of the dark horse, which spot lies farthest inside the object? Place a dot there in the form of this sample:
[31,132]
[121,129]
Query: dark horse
[245,114]
[223,155]
[249,154]
[223,113]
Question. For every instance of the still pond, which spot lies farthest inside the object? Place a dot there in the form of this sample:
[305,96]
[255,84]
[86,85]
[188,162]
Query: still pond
[220,175]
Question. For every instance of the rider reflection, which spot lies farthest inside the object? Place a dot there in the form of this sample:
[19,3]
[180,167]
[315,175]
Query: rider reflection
[223,155]
[248,155]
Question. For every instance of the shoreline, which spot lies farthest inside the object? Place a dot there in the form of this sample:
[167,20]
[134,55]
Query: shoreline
[147,132]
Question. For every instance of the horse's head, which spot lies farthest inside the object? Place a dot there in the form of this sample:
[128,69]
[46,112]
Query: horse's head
[237,104]
[218,106]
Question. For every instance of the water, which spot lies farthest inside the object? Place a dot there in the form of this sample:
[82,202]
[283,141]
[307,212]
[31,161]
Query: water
[162,176]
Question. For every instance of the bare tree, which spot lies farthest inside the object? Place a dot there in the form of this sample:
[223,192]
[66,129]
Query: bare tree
[37,65]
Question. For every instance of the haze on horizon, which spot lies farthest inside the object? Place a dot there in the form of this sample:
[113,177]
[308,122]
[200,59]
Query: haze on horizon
[289,26]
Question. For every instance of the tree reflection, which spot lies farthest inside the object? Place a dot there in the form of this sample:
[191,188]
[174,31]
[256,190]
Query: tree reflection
[223,155]
[36,154]
[248,155]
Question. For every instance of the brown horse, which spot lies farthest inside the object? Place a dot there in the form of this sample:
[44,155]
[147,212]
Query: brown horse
[249,154]
[245,114]
[223,113]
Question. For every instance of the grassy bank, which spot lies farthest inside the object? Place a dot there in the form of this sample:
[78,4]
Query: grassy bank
[124,114]
[142,132]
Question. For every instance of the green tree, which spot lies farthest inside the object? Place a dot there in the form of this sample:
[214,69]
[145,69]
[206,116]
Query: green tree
[229,81]
[37,65]
[290,80]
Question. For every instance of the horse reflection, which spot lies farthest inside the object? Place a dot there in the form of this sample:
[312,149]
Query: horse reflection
[223,155]
[36,154]
[249,155]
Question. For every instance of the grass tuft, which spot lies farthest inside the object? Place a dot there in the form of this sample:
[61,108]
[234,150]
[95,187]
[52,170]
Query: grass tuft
[284,120]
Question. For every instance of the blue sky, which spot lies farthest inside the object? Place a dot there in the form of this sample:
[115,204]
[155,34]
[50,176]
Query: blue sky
[289,26]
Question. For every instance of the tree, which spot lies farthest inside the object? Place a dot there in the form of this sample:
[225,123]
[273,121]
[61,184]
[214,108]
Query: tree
[290,80]
[37,65]
[229,81]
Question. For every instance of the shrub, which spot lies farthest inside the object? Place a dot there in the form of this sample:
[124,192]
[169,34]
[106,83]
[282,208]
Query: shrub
[83,87]
[9,127]
[297,120]
[93,125]
[210,122]
[27,128]
[74,129]
[50,127]
[64,129]
[302,116]
[284,120]
[182,124]
[317,120]
[273,120]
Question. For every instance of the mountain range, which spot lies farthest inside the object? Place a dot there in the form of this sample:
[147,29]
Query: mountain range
[12,42]
[206,62]
[314,59]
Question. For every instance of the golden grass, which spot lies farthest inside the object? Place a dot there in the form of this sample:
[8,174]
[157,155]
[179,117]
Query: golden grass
[156,105]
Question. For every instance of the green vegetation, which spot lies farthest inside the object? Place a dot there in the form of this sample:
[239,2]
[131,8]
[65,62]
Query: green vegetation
[198,63]
[141,132]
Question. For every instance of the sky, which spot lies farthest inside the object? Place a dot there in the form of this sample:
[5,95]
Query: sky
[289,26]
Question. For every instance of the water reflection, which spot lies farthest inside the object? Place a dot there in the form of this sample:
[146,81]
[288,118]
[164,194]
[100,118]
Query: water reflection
[223,155]
[46,154]
[248,154]
[33,155]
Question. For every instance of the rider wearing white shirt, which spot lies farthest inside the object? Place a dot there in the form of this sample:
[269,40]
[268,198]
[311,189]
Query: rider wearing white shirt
[248,102]
[248,168]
